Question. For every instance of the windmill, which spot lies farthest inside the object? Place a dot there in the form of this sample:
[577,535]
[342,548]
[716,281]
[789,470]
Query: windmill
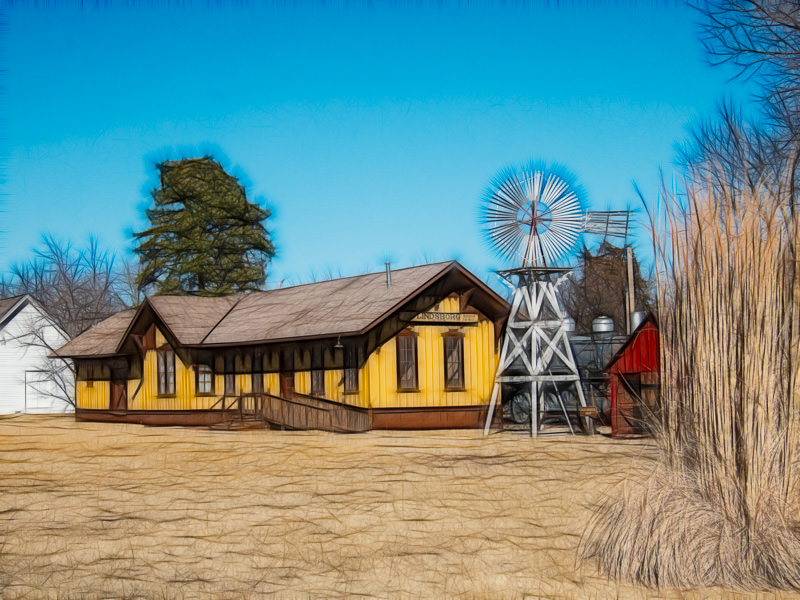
[533,217]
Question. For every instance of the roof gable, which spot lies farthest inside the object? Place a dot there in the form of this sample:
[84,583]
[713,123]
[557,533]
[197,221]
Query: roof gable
[9,307]
[191,318]
[648,322]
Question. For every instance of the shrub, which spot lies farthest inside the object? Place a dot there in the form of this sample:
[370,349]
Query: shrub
[723,505]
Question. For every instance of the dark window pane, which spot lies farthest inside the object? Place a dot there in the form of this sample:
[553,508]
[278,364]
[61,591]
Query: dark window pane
[161,373]
[230,377]
[317,357]
[454,362]
[351,381]
[351,370]
[165,367]
[407,361]
[170,372]
[205,380]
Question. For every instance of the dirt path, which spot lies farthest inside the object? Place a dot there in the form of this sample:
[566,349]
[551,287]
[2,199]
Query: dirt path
[109,511]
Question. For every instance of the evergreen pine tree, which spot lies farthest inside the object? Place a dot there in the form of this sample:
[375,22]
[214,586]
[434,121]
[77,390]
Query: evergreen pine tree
[205,238]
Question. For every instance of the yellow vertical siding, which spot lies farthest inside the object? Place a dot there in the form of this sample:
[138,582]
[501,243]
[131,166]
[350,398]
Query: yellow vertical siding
[185,397]
[378,377]
[272,383]
[302,382]
[94,394]
[93,389]
[334,385]
[243,378]
[133,389]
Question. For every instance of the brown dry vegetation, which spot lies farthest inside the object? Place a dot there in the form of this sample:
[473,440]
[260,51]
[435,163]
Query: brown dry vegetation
[109,511]
[723,506]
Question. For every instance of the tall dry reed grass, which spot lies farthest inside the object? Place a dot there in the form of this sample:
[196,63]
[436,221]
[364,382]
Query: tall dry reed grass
[723,505]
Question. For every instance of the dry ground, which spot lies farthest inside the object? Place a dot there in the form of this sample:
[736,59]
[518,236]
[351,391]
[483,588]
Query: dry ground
[111,511]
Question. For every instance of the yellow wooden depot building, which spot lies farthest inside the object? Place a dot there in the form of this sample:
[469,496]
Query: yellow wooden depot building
[408,348]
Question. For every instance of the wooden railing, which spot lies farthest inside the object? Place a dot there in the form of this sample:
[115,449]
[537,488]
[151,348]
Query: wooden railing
[246,405]
[222,403]
[251,405]
[299,411]
[309,412]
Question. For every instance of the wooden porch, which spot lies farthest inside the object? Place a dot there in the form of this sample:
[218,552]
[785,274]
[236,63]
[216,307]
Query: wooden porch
[297,411]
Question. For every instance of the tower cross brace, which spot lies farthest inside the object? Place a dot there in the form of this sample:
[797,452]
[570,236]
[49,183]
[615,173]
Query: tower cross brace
[536,348]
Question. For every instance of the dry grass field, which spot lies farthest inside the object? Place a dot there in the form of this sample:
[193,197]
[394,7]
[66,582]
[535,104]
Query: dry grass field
[125,511]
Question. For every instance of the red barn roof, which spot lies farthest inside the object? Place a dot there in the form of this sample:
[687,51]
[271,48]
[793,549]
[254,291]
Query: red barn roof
[639,353]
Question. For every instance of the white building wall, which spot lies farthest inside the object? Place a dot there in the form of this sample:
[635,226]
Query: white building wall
[24,382]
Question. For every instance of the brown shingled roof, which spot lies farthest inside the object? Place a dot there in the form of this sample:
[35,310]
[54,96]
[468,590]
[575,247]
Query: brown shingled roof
[191,318]
[100,340]
[346,306]
[327,308]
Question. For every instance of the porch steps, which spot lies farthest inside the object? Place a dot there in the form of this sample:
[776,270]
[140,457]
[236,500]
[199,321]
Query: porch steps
[237,424]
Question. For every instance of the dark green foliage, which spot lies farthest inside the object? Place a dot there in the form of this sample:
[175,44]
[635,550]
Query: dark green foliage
[205,238]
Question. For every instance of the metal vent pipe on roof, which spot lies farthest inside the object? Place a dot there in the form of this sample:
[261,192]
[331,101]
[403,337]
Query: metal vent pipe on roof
[637,318]
[388,274]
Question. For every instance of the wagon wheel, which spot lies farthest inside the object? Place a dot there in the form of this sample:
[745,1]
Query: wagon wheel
[521,408]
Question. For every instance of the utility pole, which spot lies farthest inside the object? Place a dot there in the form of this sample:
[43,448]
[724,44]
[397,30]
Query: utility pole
[630,299]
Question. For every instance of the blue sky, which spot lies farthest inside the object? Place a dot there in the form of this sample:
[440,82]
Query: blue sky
[369,132]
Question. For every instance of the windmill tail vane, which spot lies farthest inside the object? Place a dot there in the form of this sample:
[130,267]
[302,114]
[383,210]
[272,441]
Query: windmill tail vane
[608,223]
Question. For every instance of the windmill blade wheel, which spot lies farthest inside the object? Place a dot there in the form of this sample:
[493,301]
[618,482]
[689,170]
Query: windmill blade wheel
[533,216]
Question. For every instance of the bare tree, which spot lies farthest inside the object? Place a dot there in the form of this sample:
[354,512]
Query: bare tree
[727,152]
[599,286]
[76,287]
[127,288]
[762,39]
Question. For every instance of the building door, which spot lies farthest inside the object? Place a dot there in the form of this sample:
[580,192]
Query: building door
[287,385]
[287,373]
[119,395]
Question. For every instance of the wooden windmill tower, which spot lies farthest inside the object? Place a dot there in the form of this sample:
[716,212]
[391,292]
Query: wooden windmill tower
[534,217]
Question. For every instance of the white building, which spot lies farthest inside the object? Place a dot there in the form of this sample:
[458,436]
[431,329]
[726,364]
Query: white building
[29,380]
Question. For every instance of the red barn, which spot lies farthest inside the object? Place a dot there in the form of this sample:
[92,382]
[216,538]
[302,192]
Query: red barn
[635,380]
